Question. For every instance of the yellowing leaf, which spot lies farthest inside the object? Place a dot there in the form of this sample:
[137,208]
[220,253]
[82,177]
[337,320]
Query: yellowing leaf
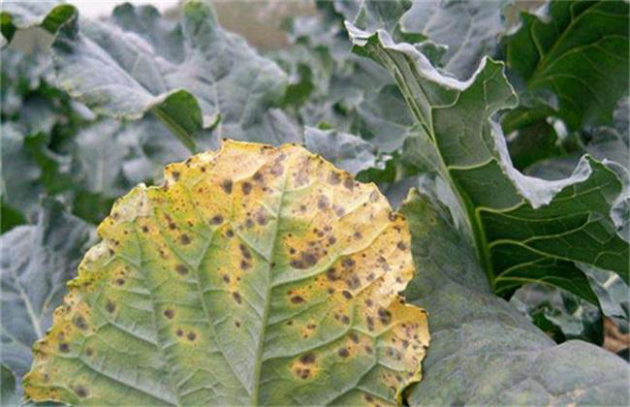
[254,276]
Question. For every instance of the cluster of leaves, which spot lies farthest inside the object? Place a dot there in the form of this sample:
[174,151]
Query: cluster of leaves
[512,132]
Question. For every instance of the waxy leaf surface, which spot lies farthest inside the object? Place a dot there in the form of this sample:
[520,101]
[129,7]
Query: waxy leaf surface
[525,229]
[254,276]
[37,261]
[483,351]
[191,74]
[578,50]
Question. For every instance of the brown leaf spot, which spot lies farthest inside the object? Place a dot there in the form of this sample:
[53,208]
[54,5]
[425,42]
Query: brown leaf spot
[226,278]
[245,251]
[402,246]
[227,186]
[347,294]
[348,183]
[175,175]
[169,313]
[237,297]
[246,187]
[322,203]
[308,358]
[64,348]
[334,178]
[80,322]
[191,336]
[297,299]
[81,391]
[343,352]
[181,269]
[184,239]
[384,316]
[110,307]
[216,220]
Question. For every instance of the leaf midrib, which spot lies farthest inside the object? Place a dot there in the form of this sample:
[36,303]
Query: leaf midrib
[268,290]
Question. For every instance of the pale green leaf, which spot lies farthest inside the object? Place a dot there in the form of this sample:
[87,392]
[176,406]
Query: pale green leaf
[470,29]
[37,261]
[346,151]
[19,15]
[188,74]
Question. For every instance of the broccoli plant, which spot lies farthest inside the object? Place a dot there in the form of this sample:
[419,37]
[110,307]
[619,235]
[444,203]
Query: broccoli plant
[467,158]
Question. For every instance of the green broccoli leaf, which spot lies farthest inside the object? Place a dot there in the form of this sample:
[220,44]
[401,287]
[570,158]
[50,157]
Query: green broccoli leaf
[525,229]
[483,351]
[578,51]
[192,75]
[37,261]
[19,15]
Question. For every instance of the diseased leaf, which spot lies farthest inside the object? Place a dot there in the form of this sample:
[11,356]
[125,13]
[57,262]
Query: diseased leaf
[578,50]
[255,275]
[190,75]
[36,262]
[19,15]
[483,351]
[345,151]
[525,229]
[470,29]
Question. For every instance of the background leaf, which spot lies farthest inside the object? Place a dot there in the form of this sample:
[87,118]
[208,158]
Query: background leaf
[483,351]
[579,51]
[525,229]
[37,261]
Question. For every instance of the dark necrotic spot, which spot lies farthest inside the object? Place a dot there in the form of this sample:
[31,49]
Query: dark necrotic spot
[370,323]
[249,223]
[384,316]
[82,391]
[358,235]
[347,294]
[237,297]
[331,274]
[227,186]
[245,265]
[80,322]
[175,175]
[261,218]
[89,352]
[120,281]
[258,177]
[345,320]
[191,336]
[348,183]
[343,352]
[297,299]
[245,251]
[110,307]
[216,220]
[308,358]
[304,373]
[226,278]
[348,263]
[169,313]
[145,229]
[181,269]
[63,347]
[179,333]
[322,203]
[334,178]
[229,233]
[402,246]
[237,324]
[184,239]
[246,187]
[354,338]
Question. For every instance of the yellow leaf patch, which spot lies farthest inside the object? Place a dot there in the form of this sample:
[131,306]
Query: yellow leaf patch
[254,276]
